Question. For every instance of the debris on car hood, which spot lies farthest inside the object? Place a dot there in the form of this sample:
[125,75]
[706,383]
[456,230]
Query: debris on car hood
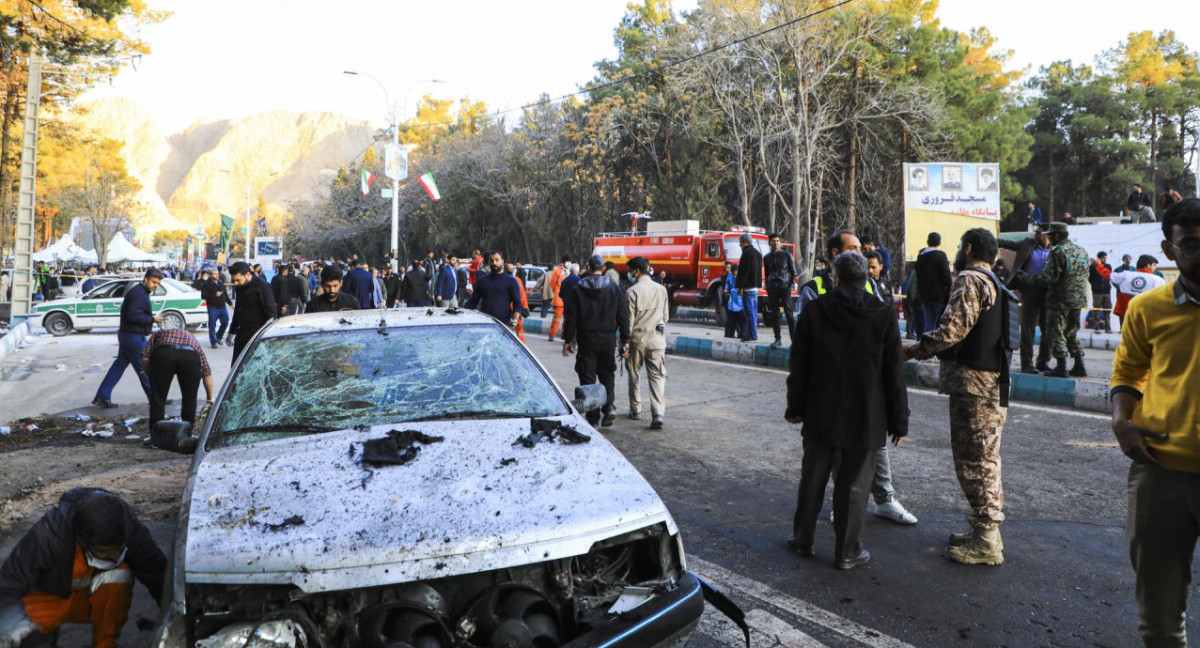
[396,449]
[549,430]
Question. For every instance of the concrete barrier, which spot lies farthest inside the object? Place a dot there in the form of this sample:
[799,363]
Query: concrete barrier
[11,342]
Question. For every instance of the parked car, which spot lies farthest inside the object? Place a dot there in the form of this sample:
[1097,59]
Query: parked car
[530,274]
[415,481]
[178,304]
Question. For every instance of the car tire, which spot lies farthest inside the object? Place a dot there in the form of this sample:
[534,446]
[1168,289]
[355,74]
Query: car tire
[58,324]
[173,320]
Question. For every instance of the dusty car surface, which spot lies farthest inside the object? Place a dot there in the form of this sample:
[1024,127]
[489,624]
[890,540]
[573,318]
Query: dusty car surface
[415,479]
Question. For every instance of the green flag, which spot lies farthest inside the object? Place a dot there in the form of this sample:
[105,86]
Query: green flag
[226,232]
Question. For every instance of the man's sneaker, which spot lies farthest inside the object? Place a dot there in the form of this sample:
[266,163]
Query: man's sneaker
[103,402]
[635,415]
[656,423]
[895,512]
[608,419]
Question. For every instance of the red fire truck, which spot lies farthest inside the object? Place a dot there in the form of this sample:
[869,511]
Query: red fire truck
[694,259]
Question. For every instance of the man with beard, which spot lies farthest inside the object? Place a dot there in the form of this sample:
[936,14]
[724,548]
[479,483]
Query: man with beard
[971,334]
[332,298]
[595,312]
[497,293]
[1157,422]
[255,307]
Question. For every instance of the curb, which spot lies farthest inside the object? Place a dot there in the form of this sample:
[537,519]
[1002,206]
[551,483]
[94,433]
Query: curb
[12,341]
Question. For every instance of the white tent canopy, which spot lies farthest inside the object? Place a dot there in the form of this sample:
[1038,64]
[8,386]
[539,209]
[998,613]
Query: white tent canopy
[120,249]
[64,250]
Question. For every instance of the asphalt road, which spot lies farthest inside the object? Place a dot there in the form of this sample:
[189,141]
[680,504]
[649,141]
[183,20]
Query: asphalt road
[727,466]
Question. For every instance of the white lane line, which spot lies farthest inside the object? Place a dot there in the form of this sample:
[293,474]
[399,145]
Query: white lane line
[912,390]
[727,580]
[766,631]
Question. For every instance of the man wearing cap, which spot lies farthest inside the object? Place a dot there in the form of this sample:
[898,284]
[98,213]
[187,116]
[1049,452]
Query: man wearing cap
[596,311]
[1065,279]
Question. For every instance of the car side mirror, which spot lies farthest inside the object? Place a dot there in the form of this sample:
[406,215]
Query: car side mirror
[589,398]
[175,436]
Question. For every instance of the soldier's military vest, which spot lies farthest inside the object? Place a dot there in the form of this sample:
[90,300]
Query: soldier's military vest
[990,343]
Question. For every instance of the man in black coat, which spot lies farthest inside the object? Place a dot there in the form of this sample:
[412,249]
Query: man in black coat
[846,386]
[216,299]
[933,280]
[416,283]
[255,307]
[332,298]
[77,565]
[749,281]
[595,312]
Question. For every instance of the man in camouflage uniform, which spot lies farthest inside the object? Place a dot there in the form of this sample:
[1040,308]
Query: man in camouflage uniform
[976,414]
[1065,279]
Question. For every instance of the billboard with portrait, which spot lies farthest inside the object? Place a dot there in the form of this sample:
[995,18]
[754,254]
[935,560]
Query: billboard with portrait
[948,198]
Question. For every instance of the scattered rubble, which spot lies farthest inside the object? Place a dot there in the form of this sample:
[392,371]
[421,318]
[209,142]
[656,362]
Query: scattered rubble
[396,449]
[550,430]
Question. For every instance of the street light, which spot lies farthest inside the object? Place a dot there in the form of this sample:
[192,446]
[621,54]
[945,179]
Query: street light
[394,120]
[247,180]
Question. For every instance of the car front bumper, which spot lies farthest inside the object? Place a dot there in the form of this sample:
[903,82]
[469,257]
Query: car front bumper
[666,620]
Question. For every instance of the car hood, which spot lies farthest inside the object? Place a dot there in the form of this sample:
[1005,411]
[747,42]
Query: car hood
[305,511]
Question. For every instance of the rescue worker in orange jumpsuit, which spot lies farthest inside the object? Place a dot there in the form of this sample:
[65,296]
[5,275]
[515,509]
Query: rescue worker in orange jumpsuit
[77,565]
[555,284]
[520,327]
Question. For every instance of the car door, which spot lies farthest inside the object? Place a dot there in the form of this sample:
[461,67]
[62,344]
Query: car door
[158,300]
[101,308]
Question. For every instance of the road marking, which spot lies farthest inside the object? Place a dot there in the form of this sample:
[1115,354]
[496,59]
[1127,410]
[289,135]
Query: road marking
[912,390]
[766,631]
[736,584]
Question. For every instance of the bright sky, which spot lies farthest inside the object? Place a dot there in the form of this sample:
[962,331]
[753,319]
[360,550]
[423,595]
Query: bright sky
[230,58]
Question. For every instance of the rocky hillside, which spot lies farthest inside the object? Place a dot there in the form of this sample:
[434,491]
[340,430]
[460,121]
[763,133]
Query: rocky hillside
[194,176]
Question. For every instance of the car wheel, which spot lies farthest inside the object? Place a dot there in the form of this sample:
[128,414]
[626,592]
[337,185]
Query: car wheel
[58,324]
[173,320]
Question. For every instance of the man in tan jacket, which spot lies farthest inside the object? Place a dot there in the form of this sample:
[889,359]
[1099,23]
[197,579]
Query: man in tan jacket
[649,309]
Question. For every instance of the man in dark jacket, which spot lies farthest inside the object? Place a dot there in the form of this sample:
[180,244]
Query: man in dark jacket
[497,293]
[359,283]
[332,298]
[1140,205]
[594,314]
[216,299]
[447,284]
[77,565]
[1032,253]
[391,286]
[137,318]
[287,291]
[749,281]
[933,280]
[846,386]
[415,282]
[781,280]
[255,307]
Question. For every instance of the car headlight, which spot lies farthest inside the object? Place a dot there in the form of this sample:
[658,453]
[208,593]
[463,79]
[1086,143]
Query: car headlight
[279,633]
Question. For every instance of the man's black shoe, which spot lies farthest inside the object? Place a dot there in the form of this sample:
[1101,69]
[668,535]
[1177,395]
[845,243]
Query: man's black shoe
[799,549]
[656,423]
[1029,370]
[850,563]
[1060,369]
[608,420]
[1042,366]
[169,401]
[103,402]
[749,339]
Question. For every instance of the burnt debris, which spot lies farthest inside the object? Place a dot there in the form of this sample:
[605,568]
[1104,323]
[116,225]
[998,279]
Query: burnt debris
[397,448]
[546,430]
[295,520]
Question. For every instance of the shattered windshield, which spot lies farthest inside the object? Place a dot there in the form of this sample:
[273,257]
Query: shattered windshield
[333,380]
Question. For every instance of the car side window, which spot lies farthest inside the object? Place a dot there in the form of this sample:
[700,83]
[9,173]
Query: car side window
[160,292]
[119,290]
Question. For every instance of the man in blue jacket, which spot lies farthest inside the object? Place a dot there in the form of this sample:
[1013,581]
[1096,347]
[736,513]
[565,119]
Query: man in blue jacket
[137,318]
[359,284]
[447,284]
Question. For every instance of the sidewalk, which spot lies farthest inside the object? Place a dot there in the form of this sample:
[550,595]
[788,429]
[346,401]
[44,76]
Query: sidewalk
[709,342]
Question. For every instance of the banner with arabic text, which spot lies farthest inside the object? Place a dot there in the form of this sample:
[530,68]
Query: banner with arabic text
[948,198]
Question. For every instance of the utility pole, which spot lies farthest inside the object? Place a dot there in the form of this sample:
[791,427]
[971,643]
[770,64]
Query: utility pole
[247,255]
[22,287]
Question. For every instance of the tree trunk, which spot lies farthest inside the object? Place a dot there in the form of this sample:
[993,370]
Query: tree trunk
[1050,155]
[12,99]
[852,189]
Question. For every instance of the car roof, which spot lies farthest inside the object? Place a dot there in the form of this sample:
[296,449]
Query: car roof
[369,319]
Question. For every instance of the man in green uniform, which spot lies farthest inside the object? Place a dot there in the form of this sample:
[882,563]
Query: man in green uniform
[1065,279]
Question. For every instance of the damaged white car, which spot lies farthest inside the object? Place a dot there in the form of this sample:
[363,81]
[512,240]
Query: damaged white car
[417,481]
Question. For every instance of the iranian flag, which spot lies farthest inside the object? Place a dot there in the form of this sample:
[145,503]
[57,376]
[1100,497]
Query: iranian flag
[430,186]
[367,179]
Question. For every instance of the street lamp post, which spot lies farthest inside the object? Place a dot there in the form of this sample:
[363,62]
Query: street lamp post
[393,119]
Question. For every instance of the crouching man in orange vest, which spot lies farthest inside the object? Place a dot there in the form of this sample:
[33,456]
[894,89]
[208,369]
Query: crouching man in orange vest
[77,565]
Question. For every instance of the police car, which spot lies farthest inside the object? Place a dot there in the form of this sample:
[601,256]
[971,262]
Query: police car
[178,304]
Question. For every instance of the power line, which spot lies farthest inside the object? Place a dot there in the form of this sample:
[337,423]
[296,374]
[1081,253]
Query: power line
[59,20]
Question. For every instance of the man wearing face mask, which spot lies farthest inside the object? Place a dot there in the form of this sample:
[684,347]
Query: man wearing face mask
[497,293]
[77,565]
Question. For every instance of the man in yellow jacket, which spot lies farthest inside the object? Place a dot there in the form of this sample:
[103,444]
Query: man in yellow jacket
[1156,419]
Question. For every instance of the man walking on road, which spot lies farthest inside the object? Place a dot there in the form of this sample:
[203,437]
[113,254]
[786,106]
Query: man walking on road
[1156,419]
[971,332]
[596,314]
[498,293]
[846,385]
[171,354]
[137,319]
[933,280]
[781,274]
[649,310]
[77,565]
[216,300]
[1032,253]
[255,307]
[1065,280]
[749,281]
